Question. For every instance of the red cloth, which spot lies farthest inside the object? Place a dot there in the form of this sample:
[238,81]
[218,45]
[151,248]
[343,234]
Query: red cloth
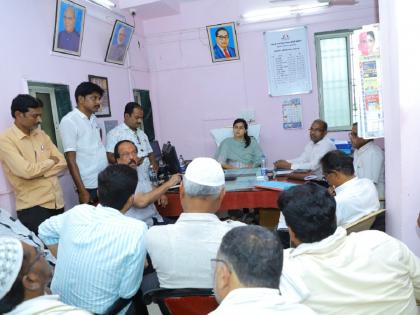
[226,52]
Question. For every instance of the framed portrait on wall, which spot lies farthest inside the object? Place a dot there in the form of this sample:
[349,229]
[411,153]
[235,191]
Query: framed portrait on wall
[119,42]
[105,110]
[223,42]
[69,26]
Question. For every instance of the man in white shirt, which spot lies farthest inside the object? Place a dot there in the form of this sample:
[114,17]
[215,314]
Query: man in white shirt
[368,161]
[101,252]
[181,252]
[125,152]
[355,197]
[85,154]
[10,226]
[247,274]
[24,279]
[367,272]
[313,152]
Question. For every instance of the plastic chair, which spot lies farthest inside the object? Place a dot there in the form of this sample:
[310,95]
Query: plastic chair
[364,223]
[182,301]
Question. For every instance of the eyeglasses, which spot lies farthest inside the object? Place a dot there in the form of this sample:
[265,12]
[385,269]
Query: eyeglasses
[223,37]
[316,129]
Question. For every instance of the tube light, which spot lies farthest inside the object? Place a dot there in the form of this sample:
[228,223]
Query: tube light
[105,3]
[283,11]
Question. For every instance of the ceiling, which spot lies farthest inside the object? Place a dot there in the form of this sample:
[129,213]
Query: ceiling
[149,9]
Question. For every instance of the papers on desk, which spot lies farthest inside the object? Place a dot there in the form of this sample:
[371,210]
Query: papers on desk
[282,172]
[274,185]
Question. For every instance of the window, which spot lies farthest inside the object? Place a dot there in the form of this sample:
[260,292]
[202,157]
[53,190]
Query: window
[334,78]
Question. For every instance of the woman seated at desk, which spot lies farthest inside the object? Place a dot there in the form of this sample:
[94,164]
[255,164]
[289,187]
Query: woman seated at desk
[241,151]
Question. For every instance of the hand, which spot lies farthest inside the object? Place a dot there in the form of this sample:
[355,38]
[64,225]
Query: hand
[84,196]
[175,179]
[55,159]
[331,190]
[163,201]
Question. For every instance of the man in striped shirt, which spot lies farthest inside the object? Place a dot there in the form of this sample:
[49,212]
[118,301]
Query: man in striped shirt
[101,252]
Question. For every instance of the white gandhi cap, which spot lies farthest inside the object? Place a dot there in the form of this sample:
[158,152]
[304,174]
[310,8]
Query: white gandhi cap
[11,256]
[205,171]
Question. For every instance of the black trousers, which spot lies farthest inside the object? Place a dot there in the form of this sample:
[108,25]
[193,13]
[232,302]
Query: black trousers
[34,216]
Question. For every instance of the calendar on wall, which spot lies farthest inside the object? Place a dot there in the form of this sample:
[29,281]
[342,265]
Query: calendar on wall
[292,113]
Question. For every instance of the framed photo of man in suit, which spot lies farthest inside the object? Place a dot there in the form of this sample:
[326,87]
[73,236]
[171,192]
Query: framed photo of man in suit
[223,42]
[69,24]
[119,42]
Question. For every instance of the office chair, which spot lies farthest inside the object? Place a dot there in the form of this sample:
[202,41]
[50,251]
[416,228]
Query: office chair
[364,223]
[182,301]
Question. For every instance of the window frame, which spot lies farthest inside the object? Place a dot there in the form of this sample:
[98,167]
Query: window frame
[347,33]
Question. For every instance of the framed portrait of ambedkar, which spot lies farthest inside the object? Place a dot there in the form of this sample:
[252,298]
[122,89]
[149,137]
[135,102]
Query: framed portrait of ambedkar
[69,26]
[223,42]
[119,42]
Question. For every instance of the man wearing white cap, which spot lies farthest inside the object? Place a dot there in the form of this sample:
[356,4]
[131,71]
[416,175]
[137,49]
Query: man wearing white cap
[181,252]
[24,276]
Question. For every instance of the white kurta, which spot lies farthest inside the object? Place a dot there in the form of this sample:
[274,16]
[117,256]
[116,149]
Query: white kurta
[311,156]
[181,252]
[261,301]
[355,199]
[367,272]
[369,162]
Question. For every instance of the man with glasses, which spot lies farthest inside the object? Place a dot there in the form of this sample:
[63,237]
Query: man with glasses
[222,50]
[247,274]
[24,279]
[125,152]
[368,160]
[355,197]
[82,143]
[313,152]
[31,163]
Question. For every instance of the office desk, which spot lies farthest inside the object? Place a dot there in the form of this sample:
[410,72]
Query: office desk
[239,194]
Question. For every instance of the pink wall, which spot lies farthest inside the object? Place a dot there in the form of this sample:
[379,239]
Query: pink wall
[191,95]
[26,55]
[401,66]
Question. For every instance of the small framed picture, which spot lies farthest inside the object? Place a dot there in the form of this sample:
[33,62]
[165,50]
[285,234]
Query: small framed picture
[223,42]
[69,26]
[105,110]
[119,42]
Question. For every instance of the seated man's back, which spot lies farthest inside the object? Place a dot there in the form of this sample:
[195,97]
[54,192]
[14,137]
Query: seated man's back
[364,273]
[101,252]
[181,252]
[355,199]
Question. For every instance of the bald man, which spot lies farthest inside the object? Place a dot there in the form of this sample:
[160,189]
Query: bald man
[117,51]
[69,39]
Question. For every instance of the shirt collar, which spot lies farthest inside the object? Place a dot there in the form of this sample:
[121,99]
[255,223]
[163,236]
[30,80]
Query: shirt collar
[20,134]
[184,217]
[345,185]
[124,126]
[365,147]
[251,294]
[324,246]
[108,210]
[83,115]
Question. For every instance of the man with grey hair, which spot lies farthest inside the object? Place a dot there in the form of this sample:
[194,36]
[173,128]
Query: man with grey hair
[247,274]
[181,252]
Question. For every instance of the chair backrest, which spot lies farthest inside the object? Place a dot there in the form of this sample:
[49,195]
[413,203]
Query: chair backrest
[364,223]
[221,134]
[182,301]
